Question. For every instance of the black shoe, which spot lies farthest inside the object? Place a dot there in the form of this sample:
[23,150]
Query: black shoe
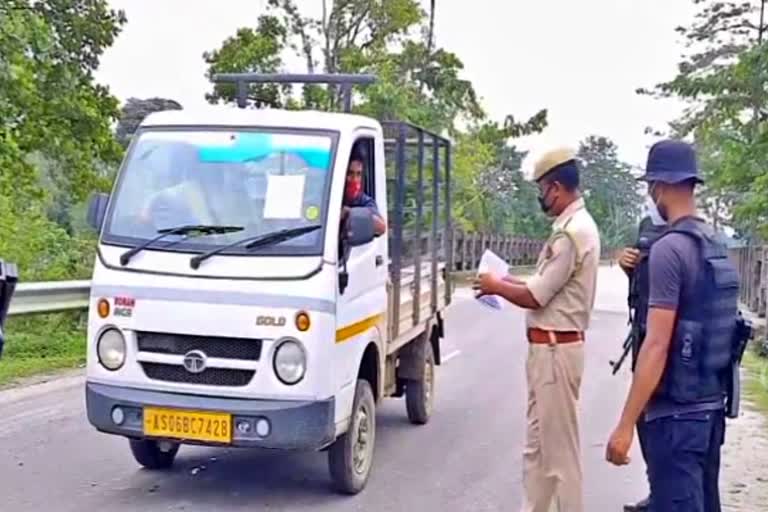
[640,506]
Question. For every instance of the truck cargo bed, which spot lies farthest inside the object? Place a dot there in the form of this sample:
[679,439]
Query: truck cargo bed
[408,316]
[420,236]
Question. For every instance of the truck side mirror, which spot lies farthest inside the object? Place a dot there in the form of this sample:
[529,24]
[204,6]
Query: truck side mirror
[97,210]
[360,227]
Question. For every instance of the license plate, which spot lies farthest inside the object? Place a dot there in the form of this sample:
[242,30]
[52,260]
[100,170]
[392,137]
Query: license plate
[192,425]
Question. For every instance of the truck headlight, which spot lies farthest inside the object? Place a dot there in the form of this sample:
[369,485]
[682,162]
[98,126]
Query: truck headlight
[290,361]
[110,348]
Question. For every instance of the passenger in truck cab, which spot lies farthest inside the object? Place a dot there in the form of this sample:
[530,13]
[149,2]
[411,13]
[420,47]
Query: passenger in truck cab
[354,197]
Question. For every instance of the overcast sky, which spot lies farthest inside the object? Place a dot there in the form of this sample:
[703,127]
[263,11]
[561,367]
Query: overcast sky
[580,59]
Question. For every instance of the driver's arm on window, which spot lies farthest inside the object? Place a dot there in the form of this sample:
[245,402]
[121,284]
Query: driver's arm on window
[379,226]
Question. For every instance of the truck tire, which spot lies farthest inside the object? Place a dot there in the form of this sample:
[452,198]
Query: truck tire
[420,394]
[350,458]
[151,456]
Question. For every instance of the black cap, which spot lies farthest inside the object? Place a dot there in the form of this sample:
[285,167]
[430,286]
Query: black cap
[671,161]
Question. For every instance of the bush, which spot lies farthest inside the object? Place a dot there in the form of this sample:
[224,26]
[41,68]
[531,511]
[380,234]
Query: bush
[41,343]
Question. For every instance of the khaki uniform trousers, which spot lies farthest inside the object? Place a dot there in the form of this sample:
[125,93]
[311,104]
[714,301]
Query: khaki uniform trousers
[552,470]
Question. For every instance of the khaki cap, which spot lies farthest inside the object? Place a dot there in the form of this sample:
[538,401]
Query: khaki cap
[551,159]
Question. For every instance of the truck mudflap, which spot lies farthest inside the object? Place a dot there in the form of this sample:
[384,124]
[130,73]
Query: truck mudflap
[292,425]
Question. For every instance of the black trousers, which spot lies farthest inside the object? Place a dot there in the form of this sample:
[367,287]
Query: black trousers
[682,454]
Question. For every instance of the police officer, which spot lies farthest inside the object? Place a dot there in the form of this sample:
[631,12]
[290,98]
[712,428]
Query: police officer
[634,262]
[559,298]
[678,387]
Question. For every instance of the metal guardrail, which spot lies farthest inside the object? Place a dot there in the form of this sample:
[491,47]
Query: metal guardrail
[50,297]
[467,248]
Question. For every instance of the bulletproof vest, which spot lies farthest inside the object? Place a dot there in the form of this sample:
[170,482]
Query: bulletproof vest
[702,345]
[640,287]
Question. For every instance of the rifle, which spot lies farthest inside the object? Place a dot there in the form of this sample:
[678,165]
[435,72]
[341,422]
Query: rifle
[631,341]
[741,336]
[627,346]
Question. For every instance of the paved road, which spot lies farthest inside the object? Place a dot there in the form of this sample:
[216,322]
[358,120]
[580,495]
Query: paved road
[467,458]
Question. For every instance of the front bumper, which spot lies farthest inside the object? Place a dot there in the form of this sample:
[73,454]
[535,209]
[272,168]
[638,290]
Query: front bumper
[294,425]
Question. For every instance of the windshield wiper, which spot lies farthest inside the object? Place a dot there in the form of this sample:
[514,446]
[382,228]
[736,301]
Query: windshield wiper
[198,230]
[275,237]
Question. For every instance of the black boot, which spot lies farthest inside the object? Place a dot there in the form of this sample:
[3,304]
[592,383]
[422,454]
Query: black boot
[640,506]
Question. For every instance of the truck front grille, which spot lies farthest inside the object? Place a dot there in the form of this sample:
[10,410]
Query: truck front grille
[180,344]
[210,376]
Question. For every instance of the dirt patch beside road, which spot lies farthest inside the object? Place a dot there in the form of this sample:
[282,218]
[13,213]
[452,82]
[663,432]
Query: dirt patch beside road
[744,471]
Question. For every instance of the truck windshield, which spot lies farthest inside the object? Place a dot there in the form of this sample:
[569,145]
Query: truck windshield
[263,181]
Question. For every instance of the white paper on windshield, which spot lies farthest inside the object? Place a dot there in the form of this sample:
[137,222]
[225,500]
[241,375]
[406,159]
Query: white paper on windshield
[490,263]
[284,197]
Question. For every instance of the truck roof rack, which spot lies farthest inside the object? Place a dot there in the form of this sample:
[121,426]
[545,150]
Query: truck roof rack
[242,80]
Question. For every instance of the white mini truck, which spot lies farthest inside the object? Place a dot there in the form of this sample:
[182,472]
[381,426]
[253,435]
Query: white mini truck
[231,306]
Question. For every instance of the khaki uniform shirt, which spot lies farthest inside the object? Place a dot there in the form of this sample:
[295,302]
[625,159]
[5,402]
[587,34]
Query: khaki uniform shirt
[566,273]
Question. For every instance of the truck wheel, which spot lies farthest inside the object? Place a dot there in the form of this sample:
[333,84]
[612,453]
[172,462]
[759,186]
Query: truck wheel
[154,455]
[350,458]
[420,394]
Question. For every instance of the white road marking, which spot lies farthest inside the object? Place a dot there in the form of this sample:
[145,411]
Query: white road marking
[450,356]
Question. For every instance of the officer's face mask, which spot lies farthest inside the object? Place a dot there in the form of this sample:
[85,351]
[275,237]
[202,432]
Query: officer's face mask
[542,198]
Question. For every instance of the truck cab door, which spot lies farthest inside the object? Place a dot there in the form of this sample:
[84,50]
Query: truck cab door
[362,303]
[367,265]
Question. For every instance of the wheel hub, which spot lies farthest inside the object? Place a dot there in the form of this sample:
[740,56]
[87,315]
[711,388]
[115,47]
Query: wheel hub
[363,442]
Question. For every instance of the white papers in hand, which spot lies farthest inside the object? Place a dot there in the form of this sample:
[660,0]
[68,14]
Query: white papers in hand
[490,263]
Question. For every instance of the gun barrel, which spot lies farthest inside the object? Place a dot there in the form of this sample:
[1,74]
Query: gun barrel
[626,347]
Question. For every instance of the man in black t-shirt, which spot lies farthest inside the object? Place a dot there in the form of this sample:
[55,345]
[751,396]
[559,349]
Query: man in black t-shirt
[684,425]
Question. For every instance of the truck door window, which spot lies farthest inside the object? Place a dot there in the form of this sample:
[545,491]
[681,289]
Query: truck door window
[362,150]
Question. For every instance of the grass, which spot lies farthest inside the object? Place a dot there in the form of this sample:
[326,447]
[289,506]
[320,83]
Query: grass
[755,385]
[42,344]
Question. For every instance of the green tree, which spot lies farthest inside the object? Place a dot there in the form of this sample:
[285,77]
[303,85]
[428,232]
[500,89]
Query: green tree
[500,197]
[135,110]
[722,81]
[611,191]
[55,126]
[720,33]
[415,82]
[49,98]
[256,50]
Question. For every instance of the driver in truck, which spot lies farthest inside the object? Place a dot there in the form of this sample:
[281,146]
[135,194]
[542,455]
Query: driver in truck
[354,197]
[188,198]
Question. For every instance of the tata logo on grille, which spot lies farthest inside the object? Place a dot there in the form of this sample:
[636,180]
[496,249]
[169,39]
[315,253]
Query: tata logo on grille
[195,361]
[273,321]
